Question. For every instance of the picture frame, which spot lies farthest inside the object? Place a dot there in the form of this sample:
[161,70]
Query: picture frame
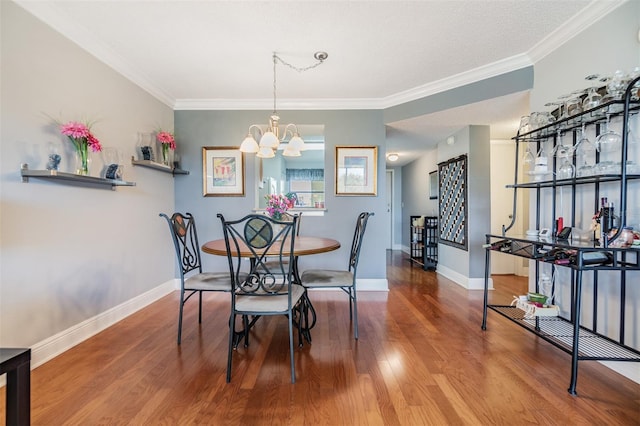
[433,185]
[223,173]
[356,170]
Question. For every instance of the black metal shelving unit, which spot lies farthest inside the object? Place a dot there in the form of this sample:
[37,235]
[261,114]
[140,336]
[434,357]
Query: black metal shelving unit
[423,243]
[430,238]
[581,341]
[416,241]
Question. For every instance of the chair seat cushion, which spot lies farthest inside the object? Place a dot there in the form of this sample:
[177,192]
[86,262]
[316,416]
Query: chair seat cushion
[211,281]
[269,304]
[326,278]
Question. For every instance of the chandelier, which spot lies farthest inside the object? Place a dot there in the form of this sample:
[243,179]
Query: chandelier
[271,138]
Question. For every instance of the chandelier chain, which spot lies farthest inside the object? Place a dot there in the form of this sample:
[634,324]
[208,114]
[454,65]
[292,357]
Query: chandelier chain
[293,67]
[276,59]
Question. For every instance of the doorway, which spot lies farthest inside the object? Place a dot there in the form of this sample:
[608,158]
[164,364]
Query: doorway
[389,195]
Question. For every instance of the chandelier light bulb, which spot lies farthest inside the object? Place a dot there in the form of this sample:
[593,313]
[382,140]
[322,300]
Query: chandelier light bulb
[269,140]
[265,152]
[290,151]
[297,143]
[249,144]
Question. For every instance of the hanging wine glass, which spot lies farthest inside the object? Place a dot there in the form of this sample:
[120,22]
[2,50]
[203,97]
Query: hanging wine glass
[528,159]
[585,155]
[566,170]
[561,150]
[609,140]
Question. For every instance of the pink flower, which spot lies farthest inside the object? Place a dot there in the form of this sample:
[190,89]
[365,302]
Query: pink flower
[166,138]
[94,143]
[278,204]
[80,134]
[73,129]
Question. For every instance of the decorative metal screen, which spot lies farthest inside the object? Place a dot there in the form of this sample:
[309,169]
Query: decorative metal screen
[453,202]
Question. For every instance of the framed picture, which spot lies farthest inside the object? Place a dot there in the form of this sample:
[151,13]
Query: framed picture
[356,170]
[433,185]
[222,171]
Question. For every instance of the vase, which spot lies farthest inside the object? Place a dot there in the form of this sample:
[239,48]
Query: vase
[54,158]
[165,154]
[112,163]
[82,159]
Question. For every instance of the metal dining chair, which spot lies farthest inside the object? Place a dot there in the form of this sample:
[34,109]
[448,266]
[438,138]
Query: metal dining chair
[342,279]
[287,217]
[192,279]
[267,288]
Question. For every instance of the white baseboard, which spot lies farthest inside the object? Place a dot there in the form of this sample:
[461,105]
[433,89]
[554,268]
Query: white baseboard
[373,284]
[53,346]
[462,280]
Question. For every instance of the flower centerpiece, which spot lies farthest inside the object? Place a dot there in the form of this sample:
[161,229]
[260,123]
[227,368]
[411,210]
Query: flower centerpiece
[168,141]
[80,135]
[278,204]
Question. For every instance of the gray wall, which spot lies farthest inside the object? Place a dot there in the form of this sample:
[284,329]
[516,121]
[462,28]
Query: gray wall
[415,191]
[68,253]
[227,128]
[467,267]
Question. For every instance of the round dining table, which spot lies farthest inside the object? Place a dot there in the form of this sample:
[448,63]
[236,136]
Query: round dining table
[303,246]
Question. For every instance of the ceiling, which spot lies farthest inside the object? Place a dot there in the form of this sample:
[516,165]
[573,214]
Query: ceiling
[217,54]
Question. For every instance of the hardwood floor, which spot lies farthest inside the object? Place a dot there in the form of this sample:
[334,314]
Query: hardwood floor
[421,359]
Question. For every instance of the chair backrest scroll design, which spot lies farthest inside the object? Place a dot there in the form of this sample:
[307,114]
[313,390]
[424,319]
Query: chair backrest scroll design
[185,240]
[264,238]
[356,245]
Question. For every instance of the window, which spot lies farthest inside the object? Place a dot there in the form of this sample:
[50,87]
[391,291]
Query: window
[308,185]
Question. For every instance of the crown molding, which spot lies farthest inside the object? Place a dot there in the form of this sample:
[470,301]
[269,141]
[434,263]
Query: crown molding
[502,66]
[283,104]
[588,16]
[80,35]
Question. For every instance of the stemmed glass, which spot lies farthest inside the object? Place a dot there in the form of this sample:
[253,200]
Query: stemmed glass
[615,89]
[592,99]
[566,170]
[609,140]
[561,150]
[585,154]
[525,125]
[528,160]
[562,112]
